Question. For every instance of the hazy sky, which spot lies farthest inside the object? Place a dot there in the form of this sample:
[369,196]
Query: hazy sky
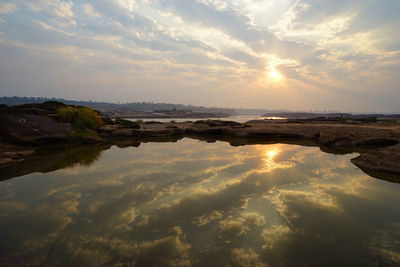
[291,54]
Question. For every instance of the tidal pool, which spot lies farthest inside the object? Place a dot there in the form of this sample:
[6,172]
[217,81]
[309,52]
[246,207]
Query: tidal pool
[192,203]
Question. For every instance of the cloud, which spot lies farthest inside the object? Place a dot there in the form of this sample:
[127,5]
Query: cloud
[89,10]
[155,50]
[148,205]
[56,7]
[7,8]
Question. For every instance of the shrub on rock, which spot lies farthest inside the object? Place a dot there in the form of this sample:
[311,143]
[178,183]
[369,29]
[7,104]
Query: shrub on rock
[127,124]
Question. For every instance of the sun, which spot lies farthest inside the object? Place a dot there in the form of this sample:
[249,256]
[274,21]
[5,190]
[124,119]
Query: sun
[275,76]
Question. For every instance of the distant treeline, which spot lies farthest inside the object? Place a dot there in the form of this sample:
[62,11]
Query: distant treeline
[123,107]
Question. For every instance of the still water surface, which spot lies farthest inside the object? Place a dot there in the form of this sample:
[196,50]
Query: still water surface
[192,203]
[241,119]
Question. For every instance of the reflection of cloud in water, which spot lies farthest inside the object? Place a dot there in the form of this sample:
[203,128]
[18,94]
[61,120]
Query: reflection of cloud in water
[190,203]
[246,257]
[270,162]
[233,228]
[36,228]
[10,206]
[335,234]
[171,250]
[273,234]
[207,218]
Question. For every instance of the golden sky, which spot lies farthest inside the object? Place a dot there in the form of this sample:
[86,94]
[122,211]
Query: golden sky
[286,54]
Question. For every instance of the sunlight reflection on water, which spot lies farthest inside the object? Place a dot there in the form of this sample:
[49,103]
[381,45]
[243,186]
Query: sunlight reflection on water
[192,204]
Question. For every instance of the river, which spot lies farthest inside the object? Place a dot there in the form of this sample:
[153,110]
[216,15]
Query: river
[195,203]
[240,119]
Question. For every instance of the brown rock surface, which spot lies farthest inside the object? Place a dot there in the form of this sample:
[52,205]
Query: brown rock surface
[30,128]
[33,128]
[126,132]
[385,159]
[108,129]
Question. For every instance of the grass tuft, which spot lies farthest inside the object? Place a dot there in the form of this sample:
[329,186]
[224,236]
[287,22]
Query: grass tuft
[81,117]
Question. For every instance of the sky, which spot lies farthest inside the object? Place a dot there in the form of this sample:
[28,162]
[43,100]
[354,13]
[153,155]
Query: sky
[341,55]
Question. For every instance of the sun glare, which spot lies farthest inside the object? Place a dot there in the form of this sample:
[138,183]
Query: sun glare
[271,160]
[275,76]
[271,154]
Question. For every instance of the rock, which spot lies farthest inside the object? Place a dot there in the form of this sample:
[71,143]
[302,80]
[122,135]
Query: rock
[265,121]
[358,136]
[108,129]
[272,131]
[90,139]
[152,122]
[204,130]
[163,132]
[107,120]
[4,161]
[336,138]
[127,123]
[376,141]
[126,132]
[19,153]
[216,123]
[148,132]
[30,128]
[382,160]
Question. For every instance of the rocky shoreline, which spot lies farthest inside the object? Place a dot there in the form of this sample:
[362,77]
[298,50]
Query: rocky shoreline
[27,130]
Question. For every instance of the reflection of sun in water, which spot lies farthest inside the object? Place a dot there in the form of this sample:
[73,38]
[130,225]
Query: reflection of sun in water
[271,154]
[270,163]
[275,75]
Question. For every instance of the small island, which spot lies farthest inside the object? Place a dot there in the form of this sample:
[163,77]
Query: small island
[29,128]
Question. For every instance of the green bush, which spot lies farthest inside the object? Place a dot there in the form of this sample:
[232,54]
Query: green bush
[81,117]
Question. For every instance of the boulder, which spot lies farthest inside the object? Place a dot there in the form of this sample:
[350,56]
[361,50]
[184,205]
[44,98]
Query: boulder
[272,131]
[382,160]
[216,123]
[126,132]
[107,120]
[108,129]
[90,139]
[336,138]
[31,128]
[127,123]
[5,161]
[166,132]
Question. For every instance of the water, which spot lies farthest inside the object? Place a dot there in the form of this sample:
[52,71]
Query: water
[191,203]
[240,119]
